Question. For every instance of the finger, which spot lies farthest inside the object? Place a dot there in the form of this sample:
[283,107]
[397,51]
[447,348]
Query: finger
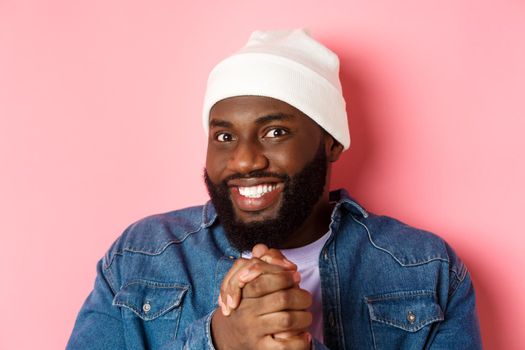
[285,335]
[272,256]
[286,321]
[259,250]
[301,341]
[268,283]
[256,268]
[276,257]
[226,285]
[231,289]
[223,307]
[293,299]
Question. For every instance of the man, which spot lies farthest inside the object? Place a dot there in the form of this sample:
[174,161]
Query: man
[276,261]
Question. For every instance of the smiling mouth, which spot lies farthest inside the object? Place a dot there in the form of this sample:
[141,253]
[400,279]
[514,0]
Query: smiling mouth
[257,197]
[256,191]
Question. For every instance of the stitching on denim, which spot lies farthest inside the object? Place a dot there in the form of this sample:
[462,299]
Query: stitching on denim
[413,328]
[430,259]
[204,216]
[156,284]
[162,248]
[175,304]
[457,273]
[357,206]
[371,328]
[109,256]
[400,295]
[176,330]
[149,317]
[112,254]
[338,303]
[108,275]
[454,282]
[459,270]
[455,286]
[207,329]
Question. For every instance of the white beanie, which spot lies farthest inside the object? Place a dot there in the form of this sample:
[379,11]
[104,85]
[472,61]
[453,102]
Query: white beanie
[289,66]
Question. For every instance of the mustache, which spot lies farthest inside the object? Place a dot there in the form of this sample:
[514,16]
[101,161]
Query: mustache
[252,174]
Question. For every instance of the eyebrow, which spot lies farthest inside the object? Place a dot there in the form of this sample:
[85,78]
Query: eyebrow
[219,123]
[273,117]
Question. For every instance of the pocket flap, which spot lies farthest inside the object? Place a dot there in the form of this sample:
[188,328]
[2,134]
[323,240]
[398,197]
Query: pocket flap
[149,299]
[408,310]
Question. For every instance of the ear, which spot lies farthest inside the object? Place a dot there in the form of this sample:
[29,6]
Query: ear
[332,147]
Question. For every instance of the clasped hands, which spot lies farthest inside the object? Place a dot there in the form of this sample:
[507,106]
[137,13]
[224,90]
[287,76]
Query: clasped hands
[261,305]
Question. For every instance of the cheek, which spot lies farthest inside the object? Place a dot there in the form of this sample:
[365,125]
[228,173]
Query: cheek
[292,159]
[215,164]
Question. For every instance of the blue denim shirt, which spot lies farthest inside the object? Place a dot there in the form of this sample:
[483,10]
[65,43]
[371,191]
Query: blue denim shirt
[385,285]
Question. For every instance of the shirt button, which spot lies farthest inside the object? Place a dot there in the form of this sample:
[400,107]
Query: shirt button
[231,257]
[325,255]
[146,307]
[411,317]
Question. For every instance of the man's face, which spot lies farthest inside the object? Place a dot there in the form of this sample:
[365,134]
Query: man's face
[266,168]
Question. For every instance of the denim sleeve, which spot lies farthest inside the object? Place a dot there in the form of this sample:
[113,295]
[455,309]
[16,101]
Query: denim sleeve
[99,325]
[460,328]
[198,334]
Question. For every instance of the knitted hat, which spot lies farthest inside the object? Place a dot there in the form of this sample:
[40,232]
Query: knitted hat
[289,66]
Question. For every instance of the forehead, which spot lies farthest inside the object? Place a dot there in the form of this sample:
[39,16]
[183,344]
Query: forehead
[255,107]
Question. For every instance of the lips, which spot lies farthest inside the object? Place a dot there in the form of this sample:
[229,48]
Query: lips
[255,197]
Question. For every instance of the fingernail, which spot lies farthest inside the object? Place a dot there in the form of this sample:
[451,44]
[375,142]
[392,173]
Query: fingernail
[224,309]
[288,262]
[296,277]
[267,259]
[229,301]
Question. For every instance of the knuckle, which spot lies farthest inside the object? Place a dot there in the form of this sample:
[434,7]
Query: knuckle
[287,279]
[256,265]
[239,262]
[285,320]
[257,286]
[308,318]
[308,298]
[283,298]
[275,253]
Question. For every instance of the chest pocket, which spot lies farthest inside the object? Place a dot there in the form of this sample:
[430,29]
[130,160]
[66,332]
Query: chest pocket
[151,308]
[403,320]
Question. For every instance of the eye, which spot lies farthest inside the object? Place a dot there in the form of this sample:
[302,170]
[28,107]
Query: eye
[224,137]
[276,132]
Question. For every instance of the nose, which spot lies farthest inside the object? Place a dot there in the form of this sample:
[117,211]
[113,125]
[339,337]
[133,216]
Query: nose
[247,157]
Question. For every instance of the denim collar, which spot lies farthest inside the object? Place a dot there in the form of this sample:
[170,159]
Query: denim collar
[341,196]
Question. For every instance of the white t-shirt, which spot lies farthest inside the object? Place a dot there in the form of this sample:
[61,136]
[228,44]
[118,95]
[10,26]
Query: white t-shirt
[307,260]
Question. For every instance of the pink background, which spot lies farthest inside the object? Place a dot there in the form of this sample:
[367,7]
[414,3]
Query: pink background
[100,125]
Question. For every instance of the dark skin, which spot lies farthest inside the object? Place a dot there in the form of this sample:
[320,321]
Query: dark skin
[261,302]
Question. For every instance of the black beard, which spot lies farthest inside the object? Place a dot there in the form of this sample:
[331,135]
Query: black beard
[301,193]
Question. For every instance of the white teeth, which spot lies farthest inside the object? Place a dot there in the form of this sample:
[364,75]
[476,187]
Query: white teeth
[256,191]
